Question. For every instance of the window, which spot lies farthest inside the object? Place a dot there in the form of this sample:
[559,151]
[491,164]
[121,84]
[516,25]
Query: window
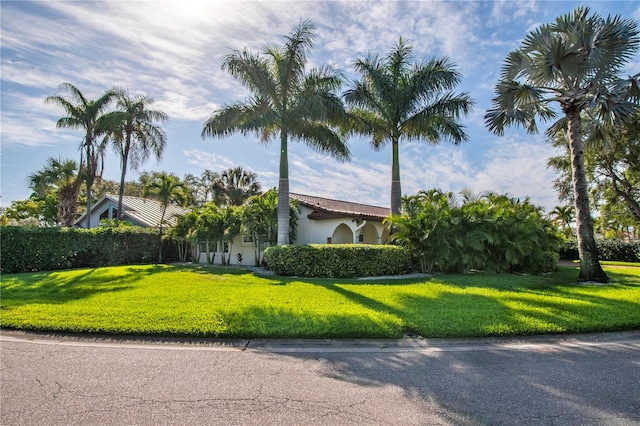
[109,213]
[247,239]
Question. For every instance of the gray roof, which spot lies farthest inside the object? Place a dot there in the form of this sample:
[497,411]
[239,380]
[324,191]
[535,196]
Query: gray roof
[327,208]
[142,211]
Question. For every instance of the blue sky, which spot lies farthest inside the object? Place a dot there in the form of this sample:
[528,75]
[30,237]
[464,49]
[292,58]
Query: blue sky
[171,51]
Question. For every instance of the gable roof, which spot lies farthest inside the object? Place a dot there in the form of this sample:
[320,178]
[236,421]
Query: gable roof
[142,211]
[326,208]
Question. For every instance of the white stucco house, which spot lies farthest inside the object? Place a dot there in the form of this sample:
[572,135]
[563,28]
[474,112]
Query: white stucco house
[321,221]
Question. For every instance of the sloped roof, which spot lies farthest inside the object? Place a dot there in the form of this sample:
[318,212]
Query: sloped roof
[143,211]
[327,208]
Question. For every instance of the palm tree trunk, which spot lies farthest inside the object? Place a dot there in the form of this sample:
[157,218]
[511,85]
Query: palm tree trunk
[91,172]
[68,202]
[396,190]
[125,158]
[590,269]
[283,192]
[164,209]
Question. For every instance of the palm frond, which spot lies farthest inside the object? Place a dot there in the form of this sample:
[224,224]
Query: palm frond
[322,139]
[253,72]
[517,104]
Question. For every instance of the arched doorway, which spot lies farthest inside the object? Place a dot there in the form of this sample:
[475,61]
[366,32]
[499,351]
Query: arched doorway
[369,234]
[342,235]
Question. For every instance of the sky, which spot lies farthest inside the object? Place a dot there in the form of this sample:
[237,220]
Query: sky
[171,51]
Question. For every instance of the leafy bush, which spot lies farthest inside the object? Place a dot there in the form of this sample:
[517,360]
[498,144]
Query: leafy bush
[30,249]
[338,260]
[616,250]
[492,233]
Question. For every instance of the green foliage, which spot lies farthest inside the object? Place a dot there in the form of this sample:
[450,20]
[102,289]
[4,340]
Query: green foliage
[618,250]
[288,101]
[34,211]
[491,233]
[27,249]
[401,98]
[614,250]
[234,303]
[338,260]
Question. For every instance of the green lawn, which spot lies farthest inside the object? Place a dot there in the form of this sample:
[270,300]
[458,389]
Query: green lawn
[228,302]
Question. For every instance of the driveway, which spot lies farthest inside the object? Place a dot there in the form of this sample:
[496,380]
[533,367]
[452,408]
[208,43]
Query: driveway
[589,379]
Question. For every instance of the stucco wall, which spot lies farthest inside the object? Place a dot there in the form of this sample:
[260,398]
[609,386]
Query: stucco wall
[314,232]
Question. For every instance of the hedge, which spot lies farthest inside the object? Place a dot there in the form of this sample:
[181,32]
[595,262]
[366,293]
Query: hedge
[338,260]
[30,249]
[615,250]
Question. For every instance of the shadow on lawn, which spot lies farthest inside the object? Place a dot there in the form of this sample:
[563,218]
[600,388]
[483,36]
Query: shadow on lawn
[549,305]
[63,286]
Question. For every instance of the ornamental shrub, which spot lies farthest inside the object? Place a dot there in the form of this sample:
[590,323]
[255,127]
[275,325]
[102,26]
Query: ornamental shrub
[338,260]
[491,232]
[30,249]
[614,250]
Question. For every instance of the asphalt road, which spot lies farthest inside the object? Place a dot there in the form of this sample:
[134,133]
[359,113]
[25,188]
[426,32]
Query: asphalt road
[572,380]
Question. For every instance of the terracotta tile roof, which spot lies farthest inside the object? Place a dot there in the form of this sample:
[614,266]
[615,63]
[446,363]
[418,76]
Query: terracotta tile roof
[336,208]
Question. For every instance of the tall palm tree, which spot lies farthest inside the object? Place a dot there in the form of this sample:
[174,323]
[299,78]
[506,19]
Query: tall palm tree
[88,115]
[575,62]
[284,100]
[64,177]
[238,185]
[397,99]
[135,134]
[167,189]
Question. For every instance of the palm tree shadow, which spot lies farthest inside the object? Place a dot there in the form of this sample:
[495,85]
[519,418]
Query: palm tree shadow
[61,287]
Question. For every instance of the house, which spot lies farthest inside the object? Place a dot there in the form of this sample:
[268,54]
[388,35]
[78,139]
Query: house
[137,211]
[321,221]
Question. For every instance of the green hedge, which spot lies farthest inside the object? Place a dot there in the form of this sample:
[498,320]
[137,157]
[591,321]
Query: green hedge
[30,249]
[614,250]
[338,260]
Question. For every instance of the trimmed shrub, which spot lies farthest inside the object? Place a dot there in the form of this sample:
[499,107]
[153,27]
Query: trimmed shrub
[30,249]
[338,260]
[614,250]
[569,250]
[619,250]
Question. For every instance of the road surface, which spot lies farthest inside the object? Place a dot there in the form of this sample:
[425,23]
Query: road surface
[591,379]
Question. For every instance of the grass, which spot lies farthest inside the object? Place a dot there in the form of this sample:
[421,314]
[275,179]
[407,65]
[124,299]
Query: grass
[228,302]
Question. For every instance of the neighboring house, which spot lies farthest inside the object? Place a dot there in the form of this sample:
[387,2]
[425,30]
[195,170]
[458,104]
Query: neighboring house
[137,211]
[322,221]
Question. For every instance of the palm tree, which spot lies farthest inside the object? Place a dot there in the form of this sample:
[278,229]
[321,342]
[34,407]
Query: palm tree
[562,217]
[284,100]
[167,189]
[238,185]
[397,99]
[574,62]
[89,116]
[135,134]
[63,177]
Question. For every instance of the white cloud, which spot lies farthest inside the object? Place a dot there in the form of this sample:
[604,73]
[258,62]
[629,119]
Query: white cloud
[208,160]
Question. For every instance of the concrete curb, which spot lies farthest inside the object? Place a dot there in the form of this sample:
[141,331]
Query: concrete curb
[541,342]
